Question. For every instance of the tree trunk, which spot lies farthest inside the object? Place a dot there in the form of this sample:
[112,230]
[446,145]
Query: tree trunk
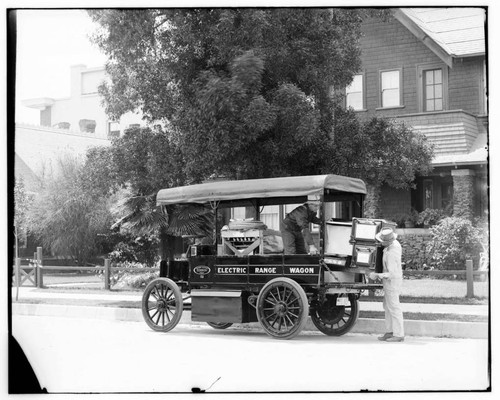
[372,201]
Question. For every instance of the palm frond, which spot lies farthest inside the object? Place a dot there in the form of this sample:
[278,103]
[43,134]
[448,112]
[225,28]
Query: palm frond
[139,214]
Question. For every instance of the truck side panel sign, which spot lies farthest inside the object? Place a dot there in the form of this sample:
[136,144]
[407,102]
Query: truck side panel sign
[267,270]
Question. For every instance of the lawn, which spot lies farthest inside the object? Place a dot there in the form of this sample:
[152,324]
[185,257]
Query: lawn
[431,290]
[442,288]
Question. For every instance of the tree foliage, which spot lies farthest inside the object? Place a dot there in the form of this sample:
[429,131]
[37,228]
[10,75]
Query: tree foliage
[22,203]
[144,161]
[67,217]
[379,150]
[246,90]
[147,160]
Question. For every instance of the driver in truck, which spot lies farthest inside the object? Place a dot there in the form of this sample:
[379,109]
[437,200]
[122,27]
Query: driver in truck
[295,228]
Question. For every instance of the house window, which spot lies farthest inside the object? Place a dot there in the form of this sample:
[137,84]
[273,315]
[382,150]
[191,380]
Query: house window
[428,194]
[91,81]
[433,90]
[238,213]
[390,88]
[113,129]
[87,125]
[354,93]
[433,87]
[270,215]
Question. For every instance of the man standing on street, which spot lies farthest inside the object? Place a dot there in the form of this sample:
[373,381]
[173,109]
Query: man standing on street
[392,278]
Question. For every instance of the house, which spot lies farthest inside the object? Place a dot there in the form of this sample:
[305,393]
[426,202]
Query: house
[427,67]
[82,111]
[67,128]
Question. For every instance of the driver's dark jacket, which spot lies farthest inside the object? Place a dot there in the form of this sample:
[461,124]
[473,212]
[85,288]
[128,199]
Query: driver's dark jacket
[298,220]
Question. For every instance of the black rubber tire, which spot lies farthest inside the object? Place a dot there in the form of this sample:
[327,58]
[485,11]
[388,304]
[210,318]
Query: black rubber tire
[220,325]
[282,301]
[335,320]
[162,304]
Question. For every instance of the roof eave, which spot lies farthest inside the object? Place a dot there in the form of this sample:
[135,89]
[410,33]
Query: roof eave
[434,46]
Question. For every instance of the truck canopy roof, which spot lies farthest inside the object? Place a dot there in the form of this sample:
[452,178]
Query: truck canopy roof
[289,189]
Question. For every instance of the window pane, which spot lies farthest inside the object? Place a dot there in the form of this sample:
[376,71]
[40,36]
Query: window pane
[390,80]
[429,92]
[429,78]
[354,93]
[390,98]
[438,105]
[428,194]
[238,213]
[429,105]
[356,85]
[270,216]
[438,76]
[355,100]
[438,91]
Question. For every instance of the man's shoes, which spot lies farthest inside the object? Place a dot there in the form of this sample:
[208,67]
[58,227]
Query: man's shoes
[385,336]
[395,339]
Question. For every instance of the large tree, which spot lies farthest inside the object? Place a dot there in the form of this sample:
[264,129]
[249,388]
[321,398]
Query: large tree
[247,91]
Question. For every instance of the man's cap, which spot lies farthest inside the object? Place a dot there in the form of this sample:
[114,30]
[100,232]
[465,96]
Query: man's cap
[386,235]
[313,198]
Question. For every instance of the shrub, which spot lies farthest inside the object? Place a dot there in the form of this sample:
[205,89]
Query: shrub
[454,240]
[430,216]
[142,249]
[131,279]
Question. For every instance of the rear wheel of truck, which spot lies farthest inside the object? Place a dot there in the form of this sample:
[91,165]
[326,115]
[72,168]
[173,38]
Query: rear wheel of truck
[162,304]
[282,308]
[333,319]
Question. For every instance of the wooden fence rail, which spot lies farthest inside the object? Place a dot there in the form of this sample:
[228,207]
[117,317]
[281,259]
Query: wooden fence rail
[34,272]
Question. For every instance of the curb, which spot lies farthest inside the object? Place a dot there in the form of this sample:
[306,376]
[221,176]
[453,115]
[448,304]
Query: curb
[451,329]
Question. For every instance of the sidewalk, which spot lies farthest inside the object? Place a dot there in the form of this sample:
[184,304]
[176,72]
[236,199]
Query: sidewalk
[127,306]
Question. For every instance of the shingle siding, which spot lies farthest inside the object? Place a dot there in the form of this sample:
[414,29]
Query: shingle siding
[464,91]
[389,45]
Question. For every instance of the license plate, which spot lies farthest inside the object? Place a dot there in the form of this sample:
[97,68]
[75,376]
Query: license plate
[342,301]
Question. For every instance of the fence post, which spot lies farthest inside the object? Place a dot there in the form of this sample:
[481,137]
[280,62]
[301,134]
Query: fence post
[17,271]
[18,276]
[106,274]
[35,255]
[470,279]
[39,268]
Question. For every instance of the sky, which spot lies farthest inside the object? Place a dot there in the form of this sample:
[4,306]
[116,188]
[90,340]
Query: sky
[49,42]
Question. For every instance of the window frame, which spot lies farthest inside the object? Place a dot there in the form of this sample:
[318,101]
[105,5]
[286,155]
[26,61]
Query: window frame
[430,184]
[380,93]
[110,123]
[421,69]
[363,92]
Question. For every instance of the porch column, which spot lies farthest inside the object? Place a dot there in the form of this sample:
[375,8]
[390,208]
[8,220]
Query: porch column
[463,193]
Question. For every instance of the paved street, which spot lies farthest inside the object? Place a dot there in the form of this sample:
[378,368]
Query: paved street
[90,355]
